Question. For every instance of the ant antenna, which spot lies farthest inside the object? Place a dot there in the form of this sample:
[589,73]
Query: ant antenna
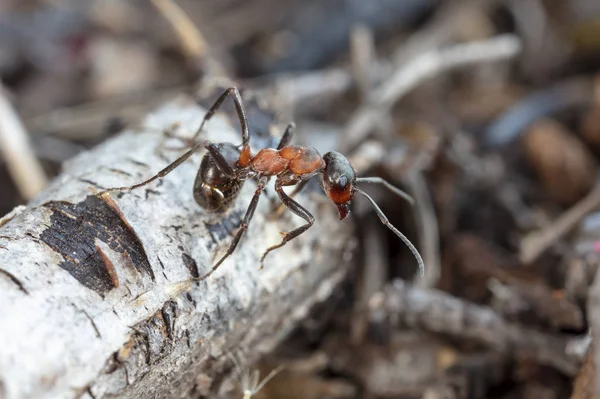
[391,187]
[385,221]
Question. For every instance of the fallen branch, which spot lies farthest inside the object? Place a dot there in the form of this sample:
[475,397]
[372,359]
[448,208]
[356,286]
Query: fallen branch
[15,146]
[91,300]
[593,313]
[423,67]
[535,244]
[441,313]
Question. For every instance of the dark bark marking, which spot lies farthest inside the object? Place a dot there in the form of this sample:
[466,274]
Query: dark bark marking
[162,265]
[34,238]
[72,234]
[119,171]
[151,340]
[91,183]
[169,314]
[224,228]
[86,314]
[191,264]
[150,191]
[138,163]
[188,338]
[15,280]
[190,298]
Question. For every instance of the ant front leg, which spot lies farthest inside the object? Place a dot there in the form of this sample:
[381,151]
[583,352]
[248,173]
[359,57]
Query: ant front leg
[298,210]
[240,109]
[245,221]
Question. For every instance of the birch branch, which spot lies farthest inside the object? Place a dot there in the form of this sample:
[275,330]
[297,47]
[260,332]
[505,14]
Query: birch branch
[91,304]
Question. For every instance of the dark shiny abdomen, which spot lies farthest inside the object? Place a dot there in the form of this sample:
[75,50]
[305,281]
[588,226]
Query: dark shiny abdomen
[213,190]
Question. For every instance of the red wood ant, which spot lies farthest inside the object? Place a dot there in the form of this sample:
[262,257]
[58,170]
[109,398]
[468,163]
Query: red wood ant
[225,167]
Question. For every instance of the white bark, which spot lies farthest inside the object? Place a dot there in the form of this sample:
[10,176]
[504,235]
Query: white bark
[60,338]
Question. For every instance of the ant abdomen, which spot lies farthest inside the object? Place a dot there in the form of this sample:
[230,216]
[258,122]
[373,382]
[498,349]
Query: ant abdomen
[213,189]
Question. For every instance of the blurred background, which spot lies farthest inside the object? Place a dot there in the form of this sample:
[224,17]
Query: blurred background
[487,112]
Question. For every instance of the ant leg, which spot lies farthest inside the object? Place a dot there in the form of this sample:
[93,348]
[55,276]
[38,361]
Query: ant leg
[220,160]
[279,208]
[288,134]
[298,210]
[389,186]
[239,106]
[168,169]
[245,221]
[298,188]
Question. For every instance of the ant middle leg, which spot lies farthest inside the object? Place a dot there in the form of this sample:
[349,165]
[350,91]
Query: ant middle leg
[297,209]
[168,169]
[240,109]
[245,221]
[280,207]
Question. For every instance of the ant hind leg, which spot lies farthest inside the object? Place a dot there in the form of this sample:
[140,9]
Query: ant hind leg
[168,169]
[280,207]
[245,221]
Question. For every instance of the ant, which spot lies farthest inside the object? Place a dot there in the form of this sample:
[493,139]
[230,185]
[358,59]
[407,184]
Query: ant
[225,167]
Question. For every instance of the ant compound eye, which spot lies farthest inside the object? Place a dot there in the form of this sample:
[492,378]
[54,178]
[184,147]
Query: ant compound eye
[342,182]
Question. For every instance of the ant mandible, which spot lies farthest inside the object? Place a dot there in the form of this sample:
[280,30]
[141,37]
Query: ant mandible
[225,167]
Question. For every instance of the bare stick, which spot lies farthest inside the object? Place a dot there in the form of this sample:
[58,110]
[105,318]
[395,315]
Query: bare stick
[593,312]
[535,244]
[362,56]
[418,70]
[192,40]
[427,224]
[438,312]
[24,167]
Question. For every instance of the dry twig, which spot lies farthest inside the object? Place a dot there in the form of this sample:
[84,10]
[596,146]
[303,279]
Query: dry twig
[192,40]
[427,223]
[88,121]
[441,313]
[421,68]
[24,167]
[362,54]
[593,313]
[533,245]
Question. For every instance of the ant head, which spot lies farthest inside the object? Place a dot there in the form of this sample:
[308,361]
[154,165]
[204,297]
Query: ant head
[339,181]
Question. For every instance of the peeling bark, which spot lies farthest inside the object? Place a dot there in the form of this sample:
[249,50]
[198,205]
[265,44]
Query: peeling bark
[91,303]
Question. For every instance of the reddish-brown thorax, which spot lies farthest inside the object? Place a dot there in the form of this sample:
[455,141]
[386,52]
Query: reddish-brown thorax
[299,160]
